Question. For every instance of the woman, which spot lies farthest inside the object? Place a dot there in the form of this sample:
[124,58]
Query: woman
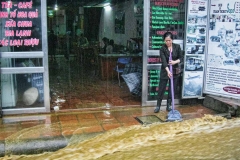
[165,74]
[105,43]
[82,41]
[109,49]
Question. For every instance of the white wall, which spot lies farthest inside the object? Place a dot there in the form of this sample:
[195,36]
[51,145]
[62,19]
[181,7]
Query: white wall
[60,22]
[107,23]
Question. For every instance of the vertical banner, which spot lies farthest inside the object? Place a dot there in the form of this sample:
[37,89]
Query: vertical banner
[195,41]
[223,67]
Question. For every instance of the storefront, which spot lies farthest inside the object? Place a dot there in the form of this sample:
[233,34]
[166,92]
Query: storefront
[196,25]
[24,60]
[209,34]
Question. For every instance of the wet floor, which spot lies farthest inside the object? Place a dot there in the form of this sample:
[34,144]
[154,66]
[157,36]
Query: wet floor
[208,137]
[76,85]
[34,134]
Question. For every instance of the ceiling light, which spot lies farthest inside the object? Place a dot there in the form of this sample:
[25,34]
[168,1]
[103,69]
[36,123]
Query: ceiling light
[107,4]
[107,8]
[56,7]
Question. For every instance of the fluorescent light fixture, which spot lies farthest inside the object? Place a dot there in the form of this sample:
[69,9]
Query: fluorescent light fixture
[107,8]
[97,4]
[107,4]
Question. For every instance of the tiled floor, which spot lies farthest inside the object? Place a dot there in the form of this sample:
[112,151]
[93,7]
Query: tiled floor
[55,128]
[65,123]
[75,85]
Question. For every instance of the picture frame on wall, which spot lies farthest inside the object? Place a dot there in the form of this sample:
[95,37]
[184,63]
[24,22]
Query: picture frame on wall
[120,22]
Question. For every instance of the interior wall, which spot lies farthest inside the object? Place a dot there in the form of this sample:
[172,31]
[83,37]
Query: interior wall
[91,23]
[107,23]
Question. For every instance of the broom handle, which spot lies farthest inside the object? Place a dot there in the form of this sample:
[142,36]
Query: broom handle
[172,87]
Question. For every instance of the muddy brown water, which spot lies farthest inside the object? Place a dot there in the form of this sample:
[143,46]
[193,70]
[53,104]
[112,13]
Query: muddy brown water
[202,138]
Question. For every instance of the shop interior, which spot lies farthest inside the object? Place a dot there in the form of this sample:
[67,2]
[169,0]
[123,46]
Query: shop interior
[81,75]
[85,74]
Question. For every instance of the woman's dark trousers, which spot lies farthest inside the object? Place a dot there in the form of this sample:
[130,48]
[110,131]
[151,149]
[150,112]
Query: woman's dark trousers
[161,91]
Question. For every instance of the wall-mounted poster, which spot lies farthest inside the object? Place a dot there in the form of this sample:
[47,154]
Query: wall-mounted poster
[165,16]
[196,31]
[120,22]
[223,56]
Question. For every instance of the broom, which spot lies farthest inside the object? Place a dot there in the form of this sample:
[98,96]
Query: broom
[173,115]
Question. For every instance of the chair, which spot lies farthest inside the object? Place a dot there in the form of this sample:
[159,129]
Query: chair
[121,62]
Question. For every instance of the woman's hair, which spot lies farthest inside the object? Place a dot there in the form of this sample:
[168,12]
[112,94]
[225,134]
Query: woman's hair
[105,40]
[168,34]
[111,42]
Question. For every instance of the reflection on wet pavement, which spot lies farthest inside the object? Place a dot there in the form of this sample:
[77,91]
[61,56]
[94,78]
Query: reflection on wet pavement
[202,138]
[50,132]
[149,119]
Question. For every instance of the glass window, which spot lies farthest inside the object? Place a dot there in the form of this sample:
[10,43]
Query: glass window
[21,62]
[22,90]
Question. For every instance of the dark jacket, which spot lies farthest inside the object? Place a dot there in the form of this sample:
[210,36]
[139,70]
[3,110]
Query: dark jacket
[165,53]
[52,41]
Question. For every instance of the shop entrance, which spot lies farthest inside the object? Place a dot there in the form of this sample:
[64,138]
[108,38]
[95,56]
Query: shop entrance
[80,76]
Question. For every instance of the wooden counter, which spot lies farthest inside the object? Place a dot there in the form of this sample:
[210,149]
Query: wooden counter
[108,63]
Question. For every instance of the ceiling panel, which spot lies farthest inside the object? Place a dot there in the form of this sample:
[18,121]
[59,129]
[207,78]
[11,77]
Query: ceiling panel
[92,3]
[66,2]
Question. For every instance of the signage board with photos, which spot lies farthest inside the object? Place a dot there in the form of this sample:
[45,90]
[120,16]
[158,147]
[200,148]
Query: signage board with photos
[195,44]
[223,52]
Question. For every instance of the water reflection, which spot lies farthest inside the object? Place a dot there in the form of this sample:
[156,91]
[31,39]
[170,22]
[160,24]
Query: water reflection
[203,138]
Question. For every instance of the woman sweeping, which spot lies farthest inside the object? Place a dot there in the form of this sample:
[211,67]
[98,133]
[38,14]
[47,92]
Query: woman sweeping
[165,74]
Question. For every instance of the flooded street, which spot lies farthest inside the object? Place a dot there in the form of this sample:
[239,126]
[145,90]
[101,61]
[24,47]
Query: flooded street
[203,138]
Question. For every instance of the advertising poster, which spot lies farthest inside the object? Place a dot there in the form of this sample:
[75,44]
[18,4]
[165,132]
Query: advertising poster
[223,67]
[153,82]
[165,16]
[196,31]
